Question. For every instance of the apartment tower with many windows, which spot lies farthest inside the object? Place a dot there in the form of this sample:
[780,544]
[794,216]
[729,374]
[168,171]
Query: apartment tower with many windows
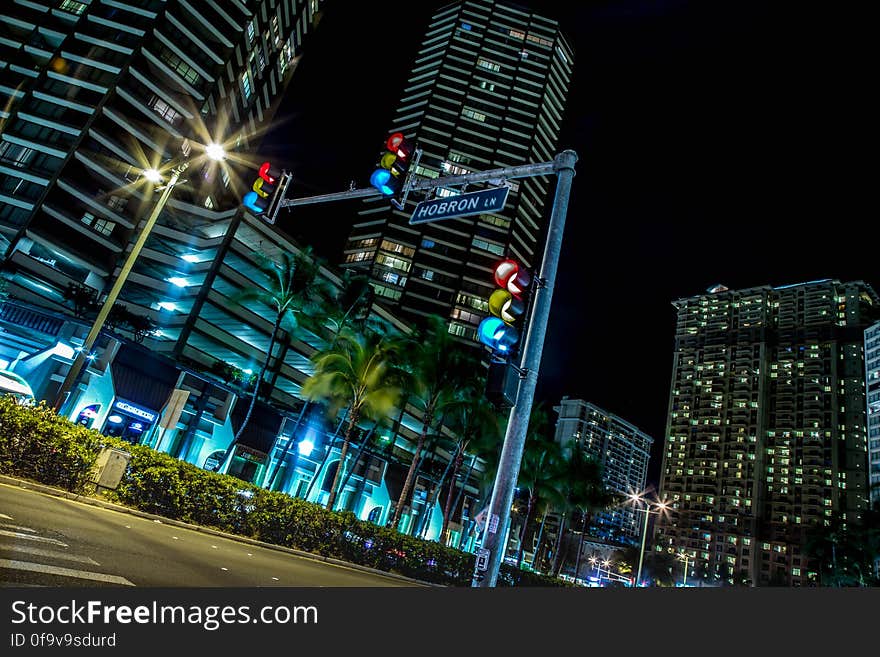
[623,452]
[872,389]
[766,438]
[486,90]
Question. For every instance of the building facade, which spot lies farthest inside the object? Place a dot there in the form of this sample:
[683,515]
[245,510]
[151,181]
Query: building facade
[872,389]
[486,90]
[621,449]
[766,432]
[93,93]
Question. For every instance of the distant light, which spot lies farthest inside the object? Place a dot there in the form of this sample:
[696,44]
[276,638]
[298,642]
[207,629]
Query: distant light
[178,281]
[248,371]
[153,175]
[305,447]
[215,151]
[114,419]
[167,305]
[191,257]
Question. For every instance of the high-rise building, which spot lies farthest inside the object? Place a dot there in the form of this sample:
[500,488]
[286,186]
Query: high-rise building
[92,92]
[623,452]
[486,90]
[872,389]
[765,439]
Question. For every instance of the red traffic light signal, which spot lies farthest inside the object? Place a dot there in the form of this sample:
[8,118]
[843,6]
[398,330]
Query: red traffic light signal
[392,168]
[506,305]
[262,199]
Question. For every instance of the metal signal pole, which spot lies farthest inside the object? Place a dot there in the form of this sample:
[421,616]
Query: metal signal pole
[498,516]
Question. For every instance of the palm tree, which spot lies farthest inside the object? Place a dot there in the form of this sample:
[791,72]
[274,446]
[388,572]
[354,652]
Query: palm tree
[348,308]
[541,471]
[474,420]
[584,492]
[356,371]
[438,366]
[293,289]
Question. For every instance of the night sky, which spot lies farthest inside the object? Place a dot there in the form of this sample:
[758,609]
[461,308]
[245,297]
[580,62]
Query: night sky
[718,142]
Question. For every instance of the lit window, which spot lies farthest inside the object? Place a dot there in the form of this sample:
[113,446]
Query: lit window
[186,71]
[117,203]
[209,203]
[487,64]
[246,85]
[73,7]
[483,245]
[165,110]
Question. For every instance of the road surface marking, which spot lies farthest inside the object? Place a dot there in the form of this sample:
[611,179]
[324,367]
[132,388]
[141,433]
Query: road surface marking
[28,537]
[64,572]
[18,527]
[52,554]
[5,517]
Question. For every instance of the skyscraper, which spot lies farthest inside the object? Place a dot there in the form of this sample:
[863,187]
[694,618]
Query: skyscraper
[92,93]
[620,448]
[765,439]
[486,90]
[872,389]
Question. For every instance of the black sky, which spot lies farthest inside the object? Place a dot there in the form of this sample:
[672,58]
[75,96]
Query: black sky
[718,142]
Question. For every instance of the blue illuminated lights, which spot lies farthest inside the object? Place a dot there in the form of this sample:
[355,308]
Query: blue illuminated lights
[380,179]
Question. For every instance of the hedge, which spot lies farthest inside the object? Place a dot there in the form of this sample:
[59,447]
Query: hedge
[37,444]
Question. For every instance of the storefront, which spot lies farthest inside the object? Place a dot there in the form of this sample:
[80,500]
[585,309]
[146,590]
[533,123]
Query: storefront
[129,421]
[142,385]
[249,460]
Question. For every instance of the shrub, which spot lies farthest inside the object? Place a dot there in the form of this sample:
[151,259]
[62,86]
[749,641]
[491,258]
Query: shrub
[37,444]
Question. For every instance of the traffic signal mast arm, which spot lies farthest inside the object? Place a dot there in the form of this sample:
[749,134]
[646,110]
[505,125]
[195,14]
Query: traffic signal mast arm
[418,183]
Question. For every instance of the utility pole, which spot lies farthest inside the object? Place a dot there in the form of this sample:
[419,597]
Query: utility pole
[498,517]
[63,395]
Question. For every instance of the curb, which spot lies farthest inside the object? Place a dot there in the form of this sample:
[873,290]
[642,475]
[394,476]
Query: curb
[93,501]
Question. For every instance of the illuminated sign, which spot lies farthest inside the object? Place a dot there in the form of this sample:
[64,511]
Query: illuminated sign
[133,409]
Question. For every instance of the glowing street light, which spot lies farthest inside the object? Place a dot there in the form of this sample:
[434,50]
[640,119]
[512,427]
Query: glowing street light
[660,507]
[684,556]
[214,152]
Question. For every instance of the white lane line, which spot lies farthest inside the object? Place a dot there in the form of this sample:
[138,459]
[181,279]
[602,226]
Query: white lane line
[52,554]
[18,527]
[64,572]
[5,517]
[28,537]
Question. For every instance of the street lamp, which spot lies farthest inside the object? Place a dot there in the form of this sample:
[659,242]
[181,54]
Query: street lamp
[684,556]
[661,507]
[214,152]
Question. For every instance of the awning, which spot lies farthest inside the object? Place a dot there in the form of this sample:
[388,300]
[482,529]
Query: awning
[141,377]
[262,428]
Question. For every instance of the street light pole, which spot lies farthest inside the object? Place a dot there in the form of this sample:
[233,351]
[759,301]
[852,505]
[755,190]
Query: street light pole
[73,374]
[498,516]
[686,558]
[637,498]
[642,550]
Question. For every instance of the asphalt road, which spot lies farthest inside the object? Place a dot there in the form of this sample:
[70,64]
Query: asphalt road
[52,541]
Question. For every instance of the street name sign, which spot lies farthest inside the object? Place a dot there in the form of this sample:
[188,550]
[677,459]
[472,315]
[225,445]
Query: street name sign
[463,205]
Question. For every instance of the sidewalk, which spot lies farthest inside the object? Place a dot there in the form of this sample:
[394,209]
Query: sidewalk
[94,501]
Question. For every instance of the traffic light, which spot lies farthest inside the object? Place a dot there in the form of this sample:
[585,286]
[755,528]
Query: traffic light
[506,305]
[263,200]
[390,174]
